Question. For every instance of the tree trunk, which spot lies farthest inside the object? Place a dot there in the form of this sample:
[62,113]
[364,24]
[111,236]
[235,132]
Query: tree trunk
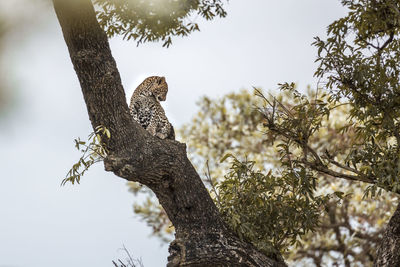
[202,238]
[388,254]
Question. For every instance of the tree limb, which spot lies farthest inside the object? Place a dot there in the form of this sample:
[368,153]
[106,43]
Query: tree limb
[388,253]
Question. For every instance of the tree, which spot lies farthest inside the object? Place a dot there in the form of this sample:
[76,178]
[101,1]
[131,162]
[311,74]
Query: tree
[202,238]
[359,68]
[359,64]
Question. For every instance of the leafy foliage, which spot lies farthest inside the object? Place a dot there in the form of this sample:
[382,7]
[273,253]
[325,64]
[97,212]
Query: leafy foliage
[93,150]
[271,211]
[155,20]
[360,63]
[230,124]
[349,233]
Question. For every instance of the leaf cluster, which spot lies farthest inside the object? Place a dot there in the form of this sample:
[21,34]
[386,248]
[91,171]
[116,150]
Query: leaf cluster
[299,119]
[271,211]
[155,20]
[230,124]
[93,150]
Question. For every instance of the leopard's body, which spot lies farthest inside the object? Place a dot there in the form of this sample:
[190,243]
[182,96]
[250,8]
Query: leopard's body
[146,109]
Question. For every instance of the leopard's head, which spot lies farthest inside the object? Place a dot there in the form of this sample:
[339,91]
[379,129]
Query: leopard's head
[159,88]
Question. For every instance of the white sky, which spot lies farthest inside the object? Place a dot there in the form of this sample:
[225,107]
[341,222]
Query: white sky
[260,43]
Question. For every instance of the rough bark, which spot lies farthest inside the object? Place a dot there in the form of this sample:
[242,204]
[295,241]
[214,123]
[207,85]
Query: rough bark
[388,254]
[202,238]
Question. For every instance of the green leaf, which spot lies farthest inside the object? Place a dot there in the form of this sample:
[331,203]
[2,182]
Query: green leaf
[226,156]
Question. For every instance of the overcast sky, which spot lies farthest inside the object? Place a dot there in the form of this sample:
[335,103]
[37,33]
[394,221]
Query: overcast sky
[260,43]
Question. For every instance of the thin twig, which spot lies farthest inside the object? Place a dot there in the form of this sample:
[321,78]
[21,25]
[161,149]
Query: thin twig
[324,169]
[347,168]
[209,180]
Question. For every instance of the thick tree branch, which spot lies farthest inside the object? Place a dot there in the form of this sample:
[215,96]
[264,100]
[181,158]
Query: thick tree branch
[202,238]
[388,254]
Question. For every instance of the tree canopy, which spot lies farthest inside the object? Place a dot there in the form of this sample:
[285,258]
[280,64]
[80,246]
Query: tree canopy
[155,20]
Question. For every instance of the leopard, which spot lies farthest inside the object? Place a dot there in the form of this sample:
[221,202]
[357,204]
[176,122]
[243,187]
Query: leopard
[145,107]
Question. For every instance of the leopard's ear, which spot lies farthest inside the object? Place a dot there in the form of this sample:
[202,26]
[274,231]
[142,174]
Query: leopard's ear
[161,80]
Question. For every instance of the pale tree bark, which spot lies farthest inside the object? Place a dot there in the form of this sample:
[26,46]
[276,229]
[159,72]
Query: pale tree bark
[389,250]
[202,238]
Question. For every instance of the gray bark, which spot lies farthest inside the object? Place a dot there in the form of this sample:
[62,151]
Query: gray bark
[388,254]
[202,238]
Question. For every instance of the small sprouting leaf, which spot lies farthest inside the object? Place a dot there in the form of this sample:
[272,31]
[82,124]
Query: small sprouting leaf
[107,132]
[228,155]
